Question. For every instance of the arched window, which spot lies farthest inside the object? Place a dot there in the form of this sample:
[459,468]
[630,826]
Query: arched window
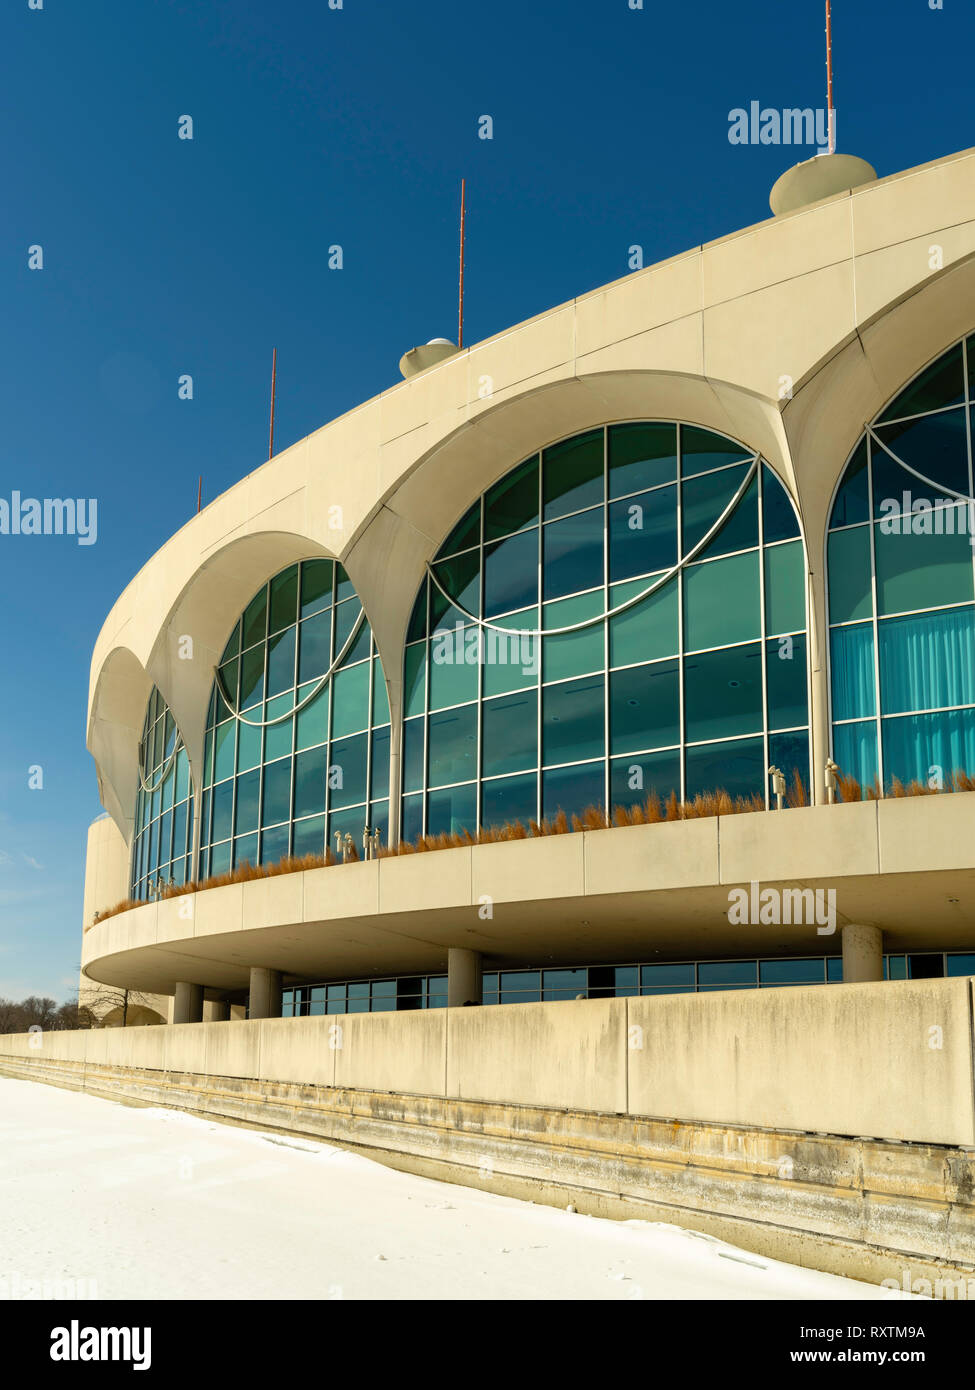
[298,725]
[900,569]
[621,614]
[163,841]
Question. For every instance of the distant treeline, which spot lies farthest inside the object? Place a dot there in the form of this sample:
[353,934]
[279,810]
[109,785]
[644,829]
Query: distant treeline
[19,1017]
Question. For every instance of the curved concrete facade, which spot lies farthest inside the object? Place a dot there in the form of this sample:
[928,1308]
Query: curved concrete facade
[788,336]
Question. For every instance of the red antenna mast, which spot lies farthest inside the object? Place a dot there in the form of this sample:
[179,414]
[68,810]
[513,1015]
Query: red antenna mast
[460,309]
[830,109]
[199,494]
[274,372]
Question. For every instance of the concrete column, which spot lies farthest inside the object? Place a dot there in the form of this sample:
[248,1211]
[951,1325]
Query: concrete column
[216,1011]
[863,954]
[188,1005]
[463,977]
[265,995]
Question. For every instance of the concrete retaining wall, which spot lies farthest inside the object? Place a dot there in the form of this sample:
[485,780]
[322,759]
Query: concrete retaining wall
[886,1061]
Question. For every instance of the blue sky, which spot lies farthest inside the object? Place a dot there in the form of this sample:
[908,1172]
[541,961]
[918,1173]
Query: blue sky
[315,127]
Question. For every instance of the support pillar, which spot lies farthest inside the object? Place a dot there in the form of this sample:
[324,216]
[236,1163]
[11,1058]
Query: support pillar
[463,977]
[188,1004]
[216,1011]
[265,993]
[863,954]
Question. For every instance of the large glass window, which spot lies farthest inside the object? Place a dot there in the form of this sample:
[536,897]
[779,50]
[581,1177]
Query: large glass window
[621,615]
[901,588]
[297,743]
[162,843]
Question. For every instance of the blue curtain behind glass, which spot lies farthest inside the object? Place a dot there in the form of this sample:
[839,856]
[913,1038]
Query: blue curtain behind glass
[855,750]
[915,743]
[851,666]
[927,661]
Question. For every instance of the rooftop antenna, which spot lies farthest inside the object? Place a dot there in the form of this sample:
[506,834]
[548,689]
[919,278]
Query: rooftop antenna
[460,308]
[830,109]
[274,372]
[199,494]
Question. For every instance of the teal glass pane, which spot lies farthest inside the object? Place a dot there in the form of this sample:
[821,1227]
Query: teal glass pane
[380,699]
[248,747]
[572,554]
[224,752]
[314,646]
[511,574]
[245,850]
[852,671]
[208,759]
[772,973]
[279,736]
[667,977]
[418,618]
[927,660]
[573,789]
[790,753]
[233,644]
[283,610]
[935,445]
[248,794]
[740,531]
[509,733]
[785,588]
[646,630]
[641,456]
[727,973]
[277,792]
[737,767]
[220,859]
[509,799]
[412,827]
[512,504]
[310,783]
[281,662]
[779,520]
[572,720]
[252,677]
[723,693]
[275,843]
[721,602]
[309,837]
[454,661]
[852,502]
[452,810]
[702,450]
[941,384]
[379,820]
[347,772]
[644,707]
[316,586]
[922,571]
[635,778]
[182,775]
[461,579]
[855,751]
[703,500]
[574,653]
[573,474]
[343,584]
[643,534]
[255,620]
[312,720]
[413,735]
[166,840]
[922,746]
[379,775]
[512,662]
[350,700]
[414,679]
[466,533]
[452,746]
[785,665]
[848,568]
[347,617]
[227,691]
[168,788]
[223,805]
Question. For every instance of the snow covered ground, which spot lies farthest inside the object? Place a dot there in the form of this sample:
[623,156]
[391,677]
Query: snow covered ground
[129,1202]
